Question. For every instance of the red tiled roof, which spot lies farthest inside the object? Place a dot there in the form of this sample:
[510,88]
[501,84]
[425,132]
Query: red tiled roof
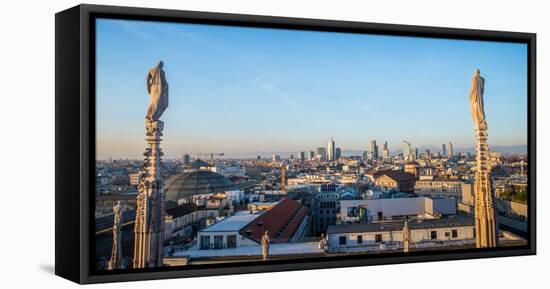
[281,221]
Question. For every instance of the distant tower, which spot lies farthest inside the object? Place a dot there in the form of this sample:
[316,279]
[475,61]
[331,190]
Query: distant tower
[282,186]
[186,159]
[427,154]
[116,252]
[385,151]
[321,153]
[406,150]
[149,224]
[444,150]
[450,149]
[486,227]
[331,150]
[374,149]
[337,153]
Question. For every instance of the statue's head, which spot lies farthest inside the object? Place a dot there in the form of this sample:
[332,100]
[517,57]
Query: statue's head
[161,64]
[266,233]
[477,71]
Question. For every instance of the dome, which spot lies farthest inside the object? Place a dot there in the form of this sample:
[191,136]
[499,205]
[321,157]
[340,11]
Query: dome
[197,164]
[196,182]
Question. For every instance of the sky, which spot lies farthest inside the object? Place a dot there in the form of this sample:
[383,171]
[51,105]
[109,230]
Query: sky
[246,91]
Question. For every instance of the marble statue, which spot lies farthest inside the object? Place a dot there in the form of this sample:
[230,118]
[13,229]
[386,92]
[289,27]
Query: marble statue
[476,100]
[150,207]
[406,237]
[157,87]
[265,245]
[116,252]
[323,243]
[485,220]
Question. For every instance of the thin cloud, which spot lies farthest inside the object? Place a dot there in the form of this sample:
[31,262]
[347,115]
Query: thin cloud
[260,82]
[136,31]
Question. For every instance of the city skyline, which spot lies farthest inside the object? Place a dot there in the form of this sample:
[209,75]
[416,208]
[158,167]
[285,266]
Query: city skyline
[248,90]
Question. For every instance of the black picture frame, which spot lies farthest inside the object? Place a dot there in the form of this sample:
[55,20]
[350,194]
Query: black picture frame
[75,140]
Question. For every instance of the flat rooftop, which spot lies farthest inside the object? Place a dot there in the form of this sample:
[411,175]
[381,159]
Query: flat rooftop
[232,223]
[456,221]
[274,249]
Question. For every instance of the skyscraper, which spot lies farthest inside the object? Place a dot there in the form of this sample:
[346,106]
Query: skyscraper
[302,156]
[331,150]
[385,151]
[321,153]
[450,149]
[337,153]
[374,149]
[407,150]
[444,150]
[186,159]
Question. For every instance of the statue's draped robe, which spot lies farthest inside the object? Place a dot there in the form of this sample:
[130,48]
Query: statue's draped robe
[265,247]
[406,237]
[158,92]
[476,100]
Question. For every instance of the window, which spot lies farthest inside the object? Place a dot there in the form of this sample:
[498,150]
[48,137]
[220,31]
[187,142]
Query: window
[218,242]
[231,241]
[447,234]
[378,238]
[454,233]
[205,242]
[380,216]
[360,239]
[433,235]
[342,240]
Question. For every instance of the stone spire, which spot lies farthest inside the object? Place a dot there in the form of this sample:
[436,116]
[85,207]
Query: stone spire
[149,225]
[486,230]
[116,253]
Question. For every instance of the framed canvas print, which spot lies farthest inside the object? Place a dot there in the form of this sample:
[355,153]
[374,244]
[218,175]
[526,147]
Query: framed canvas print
[195,144]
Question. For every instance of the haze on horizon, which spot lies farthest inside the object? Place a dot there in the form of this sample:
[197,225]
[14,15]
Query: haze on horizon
[248,90]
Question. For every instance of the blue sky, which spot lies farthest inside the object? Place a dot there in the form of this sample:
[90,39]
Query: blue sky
[256,90]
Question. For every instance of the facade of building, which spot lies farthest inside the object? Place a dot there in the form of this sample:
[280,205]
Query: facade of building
[396,180]
[229,170]
[178,223]
[346,238]
[321,154]
[407,152]
[325,207]
[442,187]
[374,149]
[370,210]
[331,150]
